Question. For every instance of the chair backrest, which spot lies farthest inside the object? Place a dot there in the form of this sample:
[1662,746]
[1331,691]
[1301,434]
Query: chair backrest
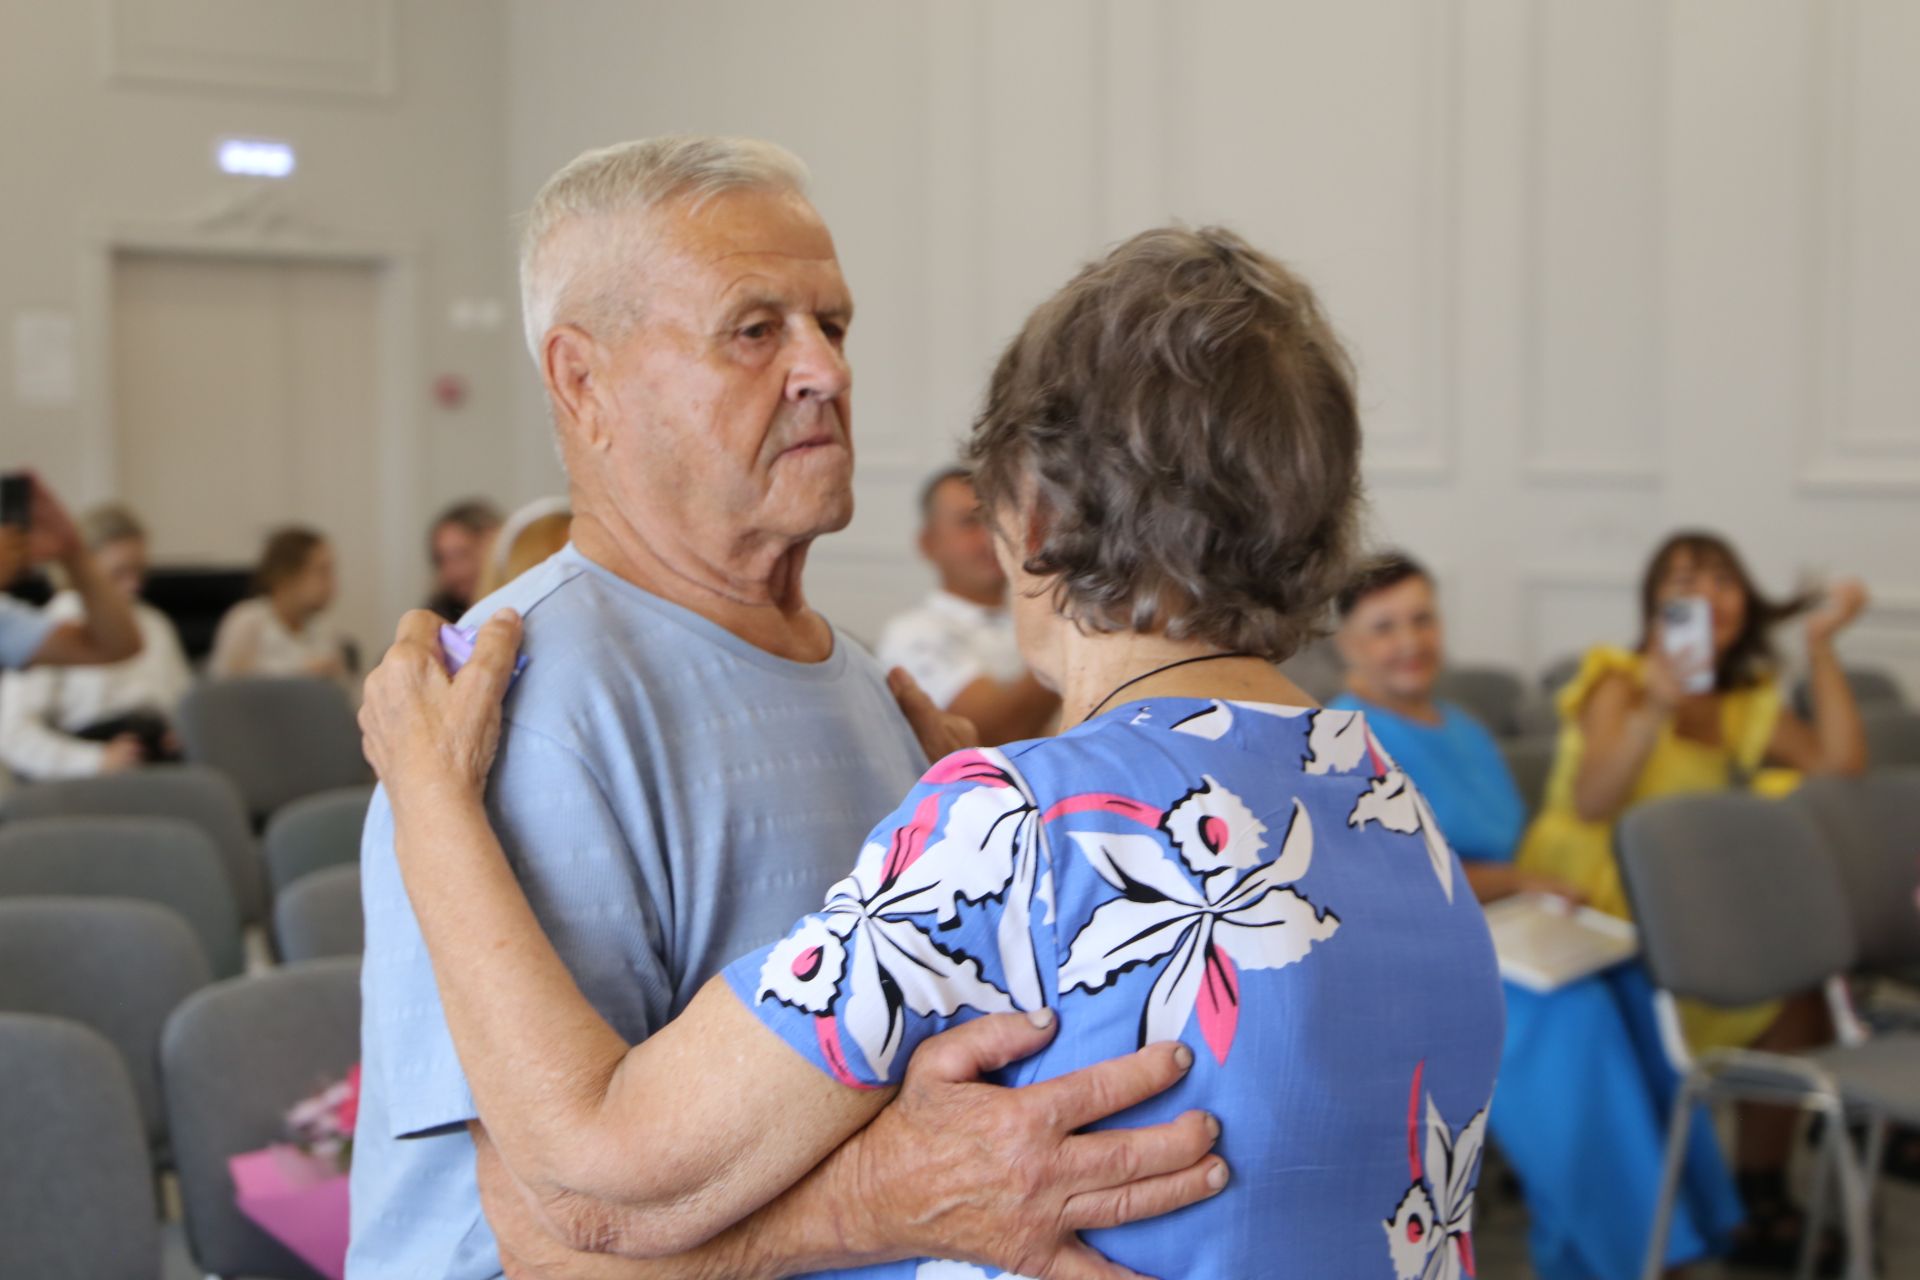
[1873,688]
[235,1058]
[1530,761]
[319,831]
[193,793]
[1559,673]
[319,916]
[278,738]
[1736,902]
[115,965]
[76,1185]
[1492,695]
[159,860]
[1893,737]
[1871,827]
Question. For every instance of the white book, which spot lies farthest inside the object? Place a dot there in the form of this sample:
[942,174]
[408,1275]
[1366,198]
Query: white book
[1545,942]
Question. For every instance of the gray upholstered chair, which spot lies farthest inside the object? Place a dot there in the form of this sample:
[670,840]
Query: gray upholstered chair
[278,738]
[1530,761]
[1492,695]
[1738,904]
[1559,673]
[316,832]
[115,965]
[193,793]
[235,1058]
[76,1187]
[1871,828]
[319,916]
[1893,737]
[1873,688]
[160,860]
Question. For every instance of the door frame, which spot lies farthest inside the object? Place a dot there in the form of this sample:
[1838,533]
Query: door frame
[259,230]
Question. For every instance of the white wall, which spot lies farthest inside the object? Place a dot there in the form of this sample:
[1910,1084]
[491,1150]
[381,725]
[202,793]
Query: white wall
[109,111]
[1608,267]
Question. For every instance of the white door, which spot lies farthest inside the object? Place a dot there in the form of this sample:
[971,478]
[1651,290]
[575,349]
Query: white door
[245,395]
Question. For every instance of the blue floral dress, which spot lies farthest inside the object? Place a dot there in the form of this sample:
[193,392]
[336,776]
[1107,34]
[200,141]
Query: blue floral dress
[1260,882]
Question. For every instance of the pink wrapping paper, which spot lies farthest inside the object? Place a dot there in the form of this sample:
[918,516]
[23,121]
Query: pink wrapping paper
[299,1200]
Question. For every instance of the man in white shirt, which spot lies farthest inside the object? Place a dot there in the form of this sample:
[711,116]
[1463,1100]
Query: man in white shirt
[959,643]
[75,722]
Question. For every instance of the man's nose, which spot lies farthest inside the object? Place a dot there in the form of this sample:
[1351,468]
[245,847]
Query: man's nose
[820,370]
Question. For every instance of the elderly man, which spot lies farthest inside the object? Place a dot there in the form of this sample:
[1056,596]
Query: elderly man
[958,645]
[692,755]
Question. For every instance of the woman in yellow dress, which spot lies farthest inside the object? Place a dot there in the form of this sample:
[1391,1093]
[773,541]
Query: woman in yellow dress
[1631,732]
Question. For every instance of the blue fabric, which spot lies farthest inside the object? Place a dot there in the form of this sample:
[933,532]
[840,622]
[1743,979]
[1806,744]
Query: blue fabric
[1586,1088]
[670,797]
[1259,882]
[23,629]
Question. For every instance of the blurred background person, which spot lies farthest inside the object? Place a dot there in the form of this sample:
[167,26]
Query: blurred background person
[457,547]
[527,537]
[74,722]
[1586,1089]
[281,631]
[958,644]
[42,532]
[1632,732]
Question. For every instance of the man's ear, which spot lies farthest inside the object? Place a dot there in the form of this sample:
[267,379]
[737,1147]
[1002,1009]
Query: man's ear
[574,365]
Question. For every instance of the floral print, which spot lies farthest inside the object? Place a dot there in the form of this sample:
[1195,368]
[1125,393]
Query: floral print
[1430,1235]
[1208,871]
[1208,932]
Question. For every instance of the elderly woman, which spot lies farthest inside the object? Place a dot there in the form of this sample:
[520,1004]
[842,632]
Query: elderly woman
[1585,1089]
[1169,456]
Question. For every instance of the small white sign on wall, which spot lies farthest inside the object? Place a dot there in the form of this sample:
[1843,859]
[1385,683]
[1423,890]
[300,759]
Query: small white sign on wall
[45,370]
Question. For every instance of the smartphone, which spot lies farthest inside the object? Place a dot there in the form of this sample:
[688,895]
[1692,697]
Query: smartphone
[1686,633]
[16,500]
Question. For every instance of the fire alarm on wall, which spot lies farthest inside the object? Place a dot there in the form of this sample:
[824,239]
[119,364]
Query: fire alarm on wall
[450,391]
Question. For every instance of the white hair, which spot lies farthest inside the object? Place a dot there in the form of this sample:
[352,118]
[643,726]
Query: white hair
[573,257]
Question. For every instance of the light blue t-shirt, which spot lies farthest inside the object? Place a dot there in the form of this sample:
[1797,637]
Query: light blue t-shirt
[671,797]
[23,629]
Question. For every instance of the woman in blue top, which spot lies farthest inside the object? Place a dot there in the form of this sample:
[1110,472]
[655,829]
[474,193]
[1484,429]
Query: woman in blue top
[1169,454]
[1585,1087]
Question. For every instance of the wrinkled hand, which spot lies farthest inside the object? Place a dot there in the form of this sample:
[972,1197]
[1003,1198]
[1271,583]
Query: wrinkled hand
[1843,602]
[941,733]
[422,729]
[956,1168]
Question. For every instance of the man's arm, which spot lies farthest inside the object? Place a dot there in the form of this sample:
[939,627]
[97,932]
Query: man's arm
[954,1168]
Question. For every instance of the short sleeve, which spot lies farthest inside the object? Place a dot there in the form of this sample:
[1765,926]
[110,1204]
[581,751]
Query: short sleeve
[23,629]
[584,882]
[943,919]
[934,653]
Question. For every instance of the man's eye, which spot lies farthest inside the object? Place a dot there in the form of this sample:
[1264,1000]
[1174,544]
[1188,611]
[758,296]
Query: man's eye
[835,331]
[755,332]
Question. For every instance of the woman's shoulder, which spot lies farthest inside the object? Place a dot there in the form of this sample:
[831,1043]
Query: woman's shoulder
[1602,664]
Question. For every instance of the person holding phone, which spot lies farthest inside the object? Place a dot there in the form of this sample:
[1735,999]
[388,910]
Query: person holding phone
[35,529]
[1697,706]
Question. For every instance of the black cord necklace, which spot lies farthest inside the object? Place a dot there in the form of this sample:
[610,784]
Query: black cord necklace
[1148,675]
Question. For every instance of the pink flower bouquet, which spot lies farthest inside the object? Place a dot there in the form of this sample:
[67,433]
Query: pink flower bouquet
[297,1191]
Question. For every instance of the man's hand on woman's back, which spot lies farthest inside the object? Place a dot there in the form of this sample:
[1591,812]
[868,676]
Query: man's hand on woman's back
[958,1168]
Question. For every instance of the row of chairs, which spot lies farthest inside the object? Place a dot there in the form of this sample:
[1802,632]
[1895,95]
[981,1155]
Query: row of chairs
[1510,707]
[178,834]
[277,738]
[1742,900]
[77,1196]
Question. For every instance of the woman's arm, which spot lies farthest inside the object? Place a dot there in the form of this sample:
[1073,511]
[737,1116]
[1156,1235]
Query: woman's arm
[1835,742]
[646,1150]
[1620,725]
